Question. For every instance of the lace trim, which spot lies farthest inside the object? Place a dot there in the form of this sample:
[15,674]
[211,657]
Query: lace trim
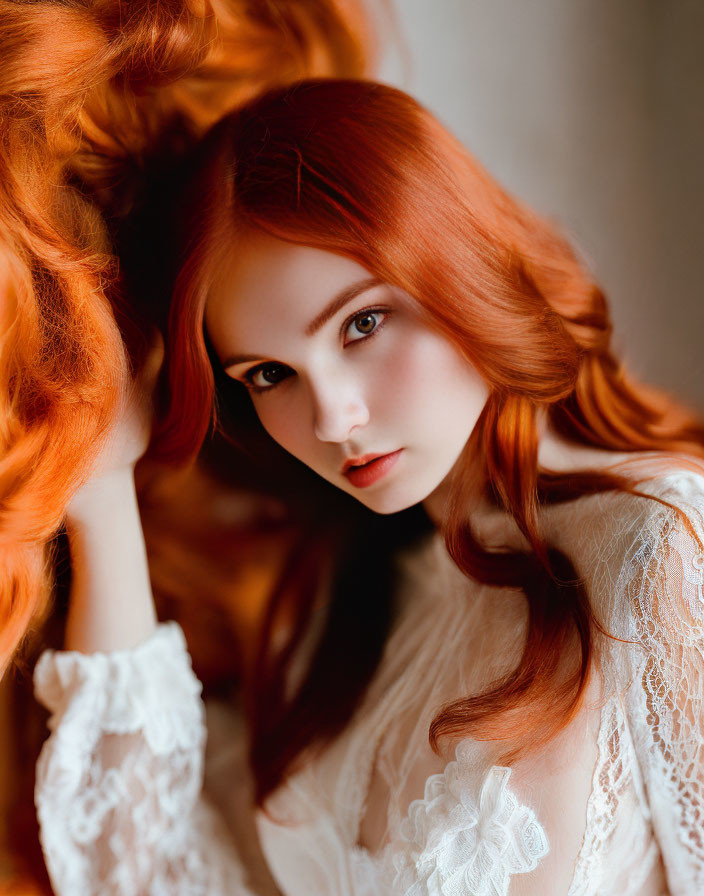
[667,596]
[659,604]
[118,781]
[612,774]
[455,844]
[149,688]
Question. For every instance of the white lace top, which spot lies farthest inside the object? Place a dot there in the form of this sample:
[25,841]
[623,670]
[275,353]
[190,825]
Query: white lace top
[613,806]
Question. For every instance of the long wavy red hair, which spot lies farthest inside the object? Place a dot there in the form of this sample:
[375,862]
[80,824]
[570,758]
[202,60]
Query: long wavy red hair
[361,169]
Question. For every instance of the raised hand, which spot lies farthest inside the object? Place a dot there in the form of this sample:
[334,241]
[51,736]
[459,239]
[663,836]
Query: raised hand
[111,605]
[128,437]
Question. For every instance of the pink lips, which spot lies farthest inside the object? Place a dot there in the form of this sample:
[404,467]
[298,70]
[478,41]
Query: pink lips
[364,471]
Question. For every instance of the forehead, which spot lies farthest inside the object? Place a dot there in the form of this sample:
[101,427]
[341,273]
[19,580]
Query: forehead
[269,287]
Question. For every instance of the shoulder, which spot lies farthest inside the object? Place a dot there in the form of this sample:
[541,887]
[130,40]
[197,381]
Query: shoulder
[670,521]
[663,573]
[668,495]
[657,587]
[626,547]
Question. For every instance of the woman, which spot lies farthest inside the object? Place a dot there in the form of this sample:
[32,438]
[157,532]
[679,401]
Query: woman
[517,706]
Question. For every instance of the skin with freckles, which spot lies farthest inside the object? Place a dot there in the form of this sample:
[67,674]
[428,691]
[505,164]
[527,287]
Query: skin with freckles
[341,366]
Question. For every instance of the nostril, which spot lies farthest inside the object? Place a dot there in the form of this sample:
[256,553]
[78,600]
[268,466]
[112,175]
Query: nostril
[334,421]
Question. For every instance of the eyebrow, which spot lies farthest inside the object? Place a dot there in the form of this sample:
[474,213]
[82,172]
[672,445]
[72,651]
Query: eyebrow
[339,301]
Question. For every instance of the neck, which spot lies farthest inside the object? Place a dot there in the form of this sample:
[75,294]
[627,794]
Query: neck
[555,453]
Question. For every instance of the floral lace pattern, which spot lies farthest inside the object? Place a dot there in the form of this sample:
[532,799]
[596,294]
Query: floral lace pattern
[613,773]
[118,783]
[456,844]
[651,738]
[665,585]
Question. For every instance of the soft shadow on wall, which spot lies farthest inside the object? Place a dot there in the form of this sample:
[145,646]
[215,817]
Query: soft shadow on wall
[593,112]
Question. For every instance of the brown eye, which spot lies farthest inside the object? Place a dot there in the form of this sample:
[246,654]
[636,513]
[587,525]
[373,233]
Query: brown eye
[267,375]
[363,325]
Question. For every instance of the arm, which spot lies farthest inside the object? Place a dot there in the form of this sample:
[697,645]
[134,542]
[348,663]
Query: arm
[111,601]
[111,604]
[118,789]
[665,702]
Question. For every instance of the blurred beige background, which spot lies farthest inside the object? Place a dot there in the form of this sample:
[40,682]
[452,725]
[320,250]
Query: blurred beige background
[593,112]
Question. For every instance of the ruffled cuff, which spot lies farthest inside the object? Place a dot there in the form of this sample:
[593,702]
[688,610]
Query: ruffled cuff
[150,688]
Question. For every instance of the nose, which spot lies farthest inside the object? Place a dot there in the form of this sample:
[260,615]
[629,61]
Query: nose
[338,407]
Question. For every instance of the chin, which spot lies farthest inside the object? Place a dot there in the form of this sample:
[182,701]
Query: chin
[388,503]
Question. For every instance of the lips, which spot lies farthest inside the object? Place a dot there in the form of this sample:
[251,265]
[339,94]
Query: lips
[359,461]
[364,471]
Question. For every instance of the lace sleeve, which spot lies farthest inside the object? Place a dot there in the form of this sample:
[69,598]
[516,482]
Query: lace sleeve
[118,789]
[664,588]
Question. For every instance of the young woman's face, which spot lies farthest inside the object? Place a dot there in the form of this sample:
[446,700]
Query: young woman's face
[344,371]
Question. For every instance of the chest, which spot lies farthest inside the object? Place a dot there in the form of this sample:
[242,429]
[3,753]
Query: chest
[380,800]
[571,819]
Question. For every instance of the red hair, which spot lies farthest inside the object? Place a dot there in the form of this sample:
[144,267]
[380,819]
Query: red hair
[89,94]
[363,170]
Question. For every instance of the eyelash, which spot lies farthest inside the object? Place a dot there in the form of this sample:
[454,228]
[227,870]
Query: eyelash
[250,374]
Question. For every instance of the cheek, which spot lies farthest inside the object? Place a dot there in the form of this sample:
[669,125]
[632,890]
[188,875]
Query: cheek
[428,383]
[285,421]
[279,425]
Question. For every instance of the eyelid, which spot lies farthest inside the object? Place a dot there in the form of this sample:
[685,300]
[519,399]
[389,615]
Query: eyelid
[249,375]
[372,309]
